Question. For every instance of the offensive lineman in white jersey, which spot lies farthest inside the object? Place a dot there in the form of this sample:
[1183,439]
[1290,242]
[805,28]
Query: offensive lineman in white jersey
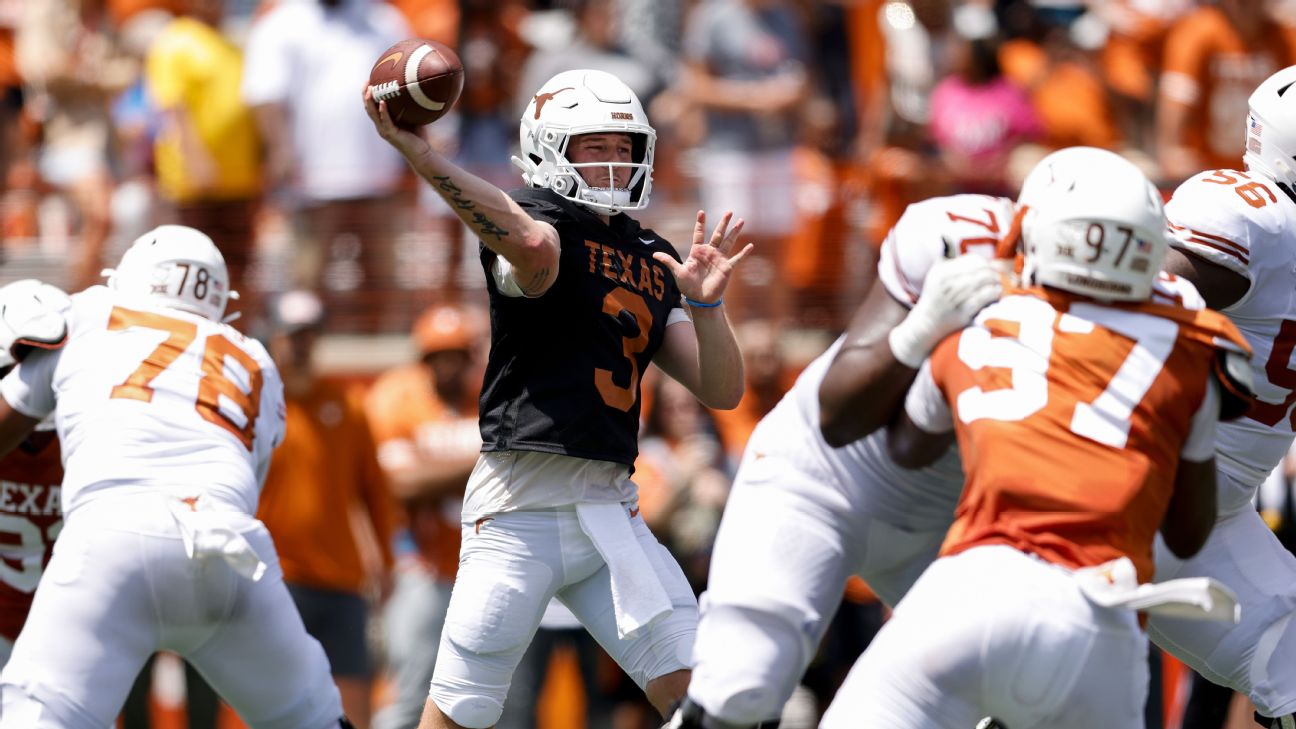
[803,516]
[167,419]
[1232,237]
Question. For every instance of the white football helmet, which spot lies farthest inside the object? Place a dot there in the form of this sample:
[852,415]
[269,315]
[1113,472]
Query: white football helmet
[1060,167]
[178,267]
[31,317]
[1101,234]
[585,102]
[1271,129]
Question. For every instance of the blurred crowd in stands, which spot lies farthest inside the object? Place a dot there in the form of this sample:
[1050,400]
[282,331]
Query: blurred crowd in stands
[817,121]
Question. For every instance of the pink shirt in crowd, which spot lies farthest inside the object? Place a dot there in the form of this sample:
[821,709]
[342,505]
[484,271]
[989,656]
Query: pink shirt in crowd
[980,123]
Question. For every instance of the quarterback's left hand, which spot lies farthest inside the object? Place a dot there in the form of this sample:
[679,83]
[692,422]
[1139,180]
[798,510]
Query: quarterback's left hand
[704,275]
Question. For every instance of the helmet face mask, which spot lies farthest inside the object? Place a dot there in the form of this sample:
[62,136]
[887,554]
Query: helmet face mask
[1100,232]
[1271,129]
[576,103]
[177,267]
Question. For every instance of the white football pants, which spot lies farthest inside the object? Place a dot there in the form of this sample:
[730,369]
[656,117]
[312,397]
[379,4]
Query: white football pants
[995,632]
[120,587]
[778,570]
[1257,656]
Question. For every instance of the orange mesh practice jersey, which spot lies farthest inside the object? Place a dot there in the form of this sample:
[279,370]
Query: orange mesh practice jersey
[326,466]
[1071,417]
[30,519]
[1209,67]
[413,425]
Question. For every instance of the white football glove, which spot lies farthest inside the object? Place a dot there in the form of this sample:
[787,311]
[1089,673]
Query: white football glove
[31,315]
[955,290]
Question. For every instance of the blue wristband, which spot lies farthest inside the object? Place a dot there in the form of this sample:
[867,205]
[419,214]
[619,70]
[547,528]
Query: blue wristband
[700,305]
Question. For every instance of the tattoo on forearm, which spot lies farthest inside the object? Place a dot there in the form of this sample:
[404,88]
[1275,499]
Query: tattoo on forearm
[484,225]
[536,281]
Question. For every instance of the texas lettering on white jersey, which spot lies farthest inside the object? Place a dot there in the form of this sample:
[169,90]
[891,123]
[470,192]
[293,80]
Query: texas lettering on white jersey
[941,227]
[1243,223]
[153,399]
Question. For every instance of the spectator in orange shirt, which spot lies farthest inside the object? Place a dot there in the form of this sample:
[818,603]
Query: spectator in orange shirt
[424,417]
[1056,63]
[1130,59]
[767,381]
[1214,58]
[325,471]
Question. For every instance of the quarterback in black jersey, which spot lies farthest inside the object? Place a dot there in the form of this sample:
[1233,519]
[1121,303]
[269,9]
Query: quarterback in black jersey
[582,299]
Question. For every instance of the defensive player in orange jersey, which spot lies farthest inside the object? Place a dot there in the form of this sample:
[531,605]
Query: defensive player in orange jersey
[1085,407]
[31,513]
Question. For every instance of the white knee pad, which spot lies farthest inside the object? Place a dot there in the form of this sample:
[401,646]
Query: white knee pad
[747,662]
[472,712]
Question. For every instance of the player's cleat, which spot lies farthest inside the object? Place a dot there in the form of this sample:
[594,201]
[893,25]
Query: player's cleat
[990,723]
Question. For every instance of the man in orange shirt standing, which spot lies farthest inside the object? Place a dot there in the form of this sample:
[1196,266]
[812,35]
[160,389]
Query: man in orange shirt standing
[325,470]
[1085,408]
[424,418]
[1214,58]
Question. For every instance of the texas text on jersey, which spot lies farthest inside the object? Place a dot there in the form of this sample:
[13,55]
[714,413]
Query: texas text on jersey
[564,369]
[30,515]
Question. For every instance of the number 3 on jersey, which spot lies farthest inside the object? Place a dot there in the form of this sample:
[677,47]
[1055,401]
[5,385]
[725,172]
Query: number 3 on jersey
[617,301]
[1028,356]
[214,383]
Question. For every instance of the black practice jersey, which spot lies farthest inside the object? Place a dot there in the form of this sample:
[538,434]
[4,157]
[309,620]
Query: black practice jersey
[564,368]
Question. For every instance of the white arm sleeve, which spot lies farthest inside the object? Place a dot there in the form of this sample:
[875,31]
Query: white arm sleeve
[1200,444]
[29,387]
[925,404]
[505,279]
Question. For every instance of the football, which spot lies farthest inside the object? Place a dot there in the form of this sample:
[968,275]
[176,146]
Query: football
[419,79]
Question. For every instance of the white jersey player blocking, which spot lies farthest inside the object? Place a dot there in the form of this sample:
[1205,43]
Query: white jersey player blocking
[167,421]
[155,399]
[803,516]
[1243,223]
